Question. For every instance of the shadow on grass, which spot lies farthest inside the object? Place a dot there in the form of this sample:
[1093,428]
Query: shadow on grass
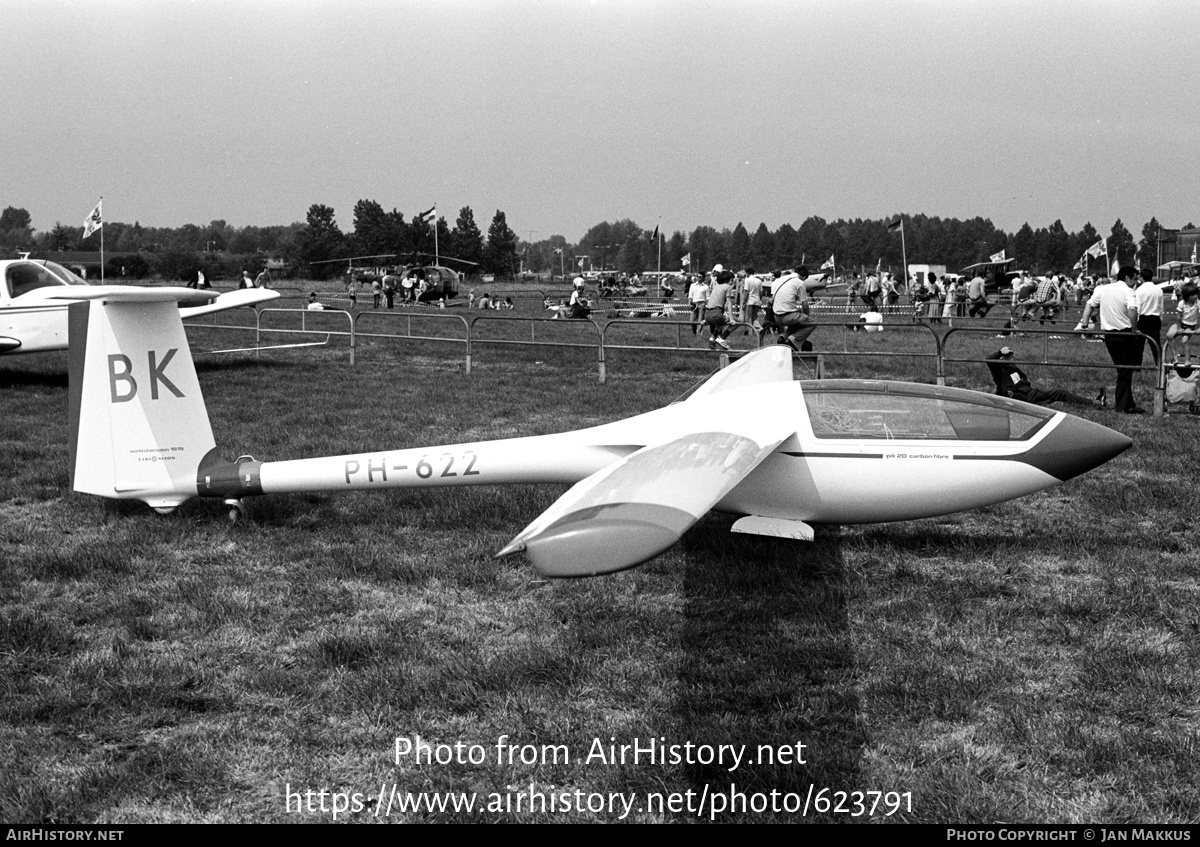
[768,663]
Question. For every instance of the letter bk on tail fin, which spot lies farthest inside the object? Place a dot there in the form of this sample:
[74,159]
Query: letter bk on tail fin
[139,425]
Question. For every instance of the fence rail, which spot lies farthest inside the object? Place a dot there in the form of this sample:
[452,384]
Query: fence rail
[666,335]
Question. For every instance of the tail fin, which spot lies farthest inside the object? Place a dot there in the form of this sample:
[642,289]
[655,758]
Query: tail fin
[139,427]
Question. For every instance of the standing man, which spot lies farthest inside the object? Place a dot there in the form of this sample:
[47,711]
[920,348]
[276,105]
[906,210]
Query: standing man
[1117,307]
[790,307]
[753,290]
[697,298]
[1149,299]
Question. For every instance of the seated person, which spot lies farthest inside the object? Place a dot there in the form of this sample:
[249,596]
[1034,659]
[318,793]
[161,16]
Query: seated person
[1012,382]
[315,305]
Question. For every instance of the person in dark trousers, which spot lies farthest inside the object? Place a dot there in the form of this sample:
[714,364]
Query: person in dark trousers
[1117,307]
[1012,382]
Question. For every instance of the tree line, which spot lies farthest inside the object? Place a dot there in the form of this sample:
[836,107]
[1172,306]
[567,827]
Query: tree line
[319,248]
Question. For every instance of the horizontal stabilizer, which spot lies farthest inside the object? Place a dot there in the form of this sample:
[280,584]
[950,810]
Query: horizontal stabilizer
[631,511]
[773,527]
[129,294]
[758,367]
[232,300]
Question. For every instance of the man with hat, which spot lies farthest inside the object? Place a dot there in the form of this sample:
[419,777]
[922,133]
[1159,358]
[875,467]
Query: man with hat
[1012,382]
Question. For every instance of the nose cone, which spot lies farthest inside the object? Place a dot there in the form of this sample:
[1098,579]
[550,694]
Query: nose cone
[1075,446]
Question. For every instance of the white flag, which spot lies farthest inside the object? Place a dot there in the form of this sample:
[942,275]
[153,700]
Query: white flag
[828,262]
[997,257]
[93,221]
[1116,264]
[687,260]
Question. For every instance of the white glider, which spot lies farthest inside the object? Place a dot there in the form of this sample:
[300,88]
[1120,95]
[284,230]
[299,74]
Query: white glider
[749,441]
[34,294]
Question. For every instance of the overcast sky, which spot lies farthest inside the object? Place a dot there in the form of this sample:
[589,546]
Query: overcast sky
[563,114]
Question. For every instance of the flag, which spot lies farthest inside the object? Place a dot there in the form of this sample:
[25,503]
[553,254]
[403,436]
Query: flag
[878,266]
[997,257]
[654,237]
[686,260]
[1116,264]
[429,213]
[93,221]
[828,262]
[896,225]
[1079,265]
[581,263]
[1097,250]
[1193,254]
[558,250]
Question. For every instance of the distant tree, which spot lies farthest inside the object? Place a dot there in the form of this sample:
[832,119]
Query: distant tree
[61,237]
[808,239]
[1023,246]
[500,253]
[786,251]
[14,218]
[1120,244]
[372,235]
[1056,251]
[16,232]
[739,247]
[1148,246]
[466,240]
[673,251]
[704,245]
[762,248]
[321,240]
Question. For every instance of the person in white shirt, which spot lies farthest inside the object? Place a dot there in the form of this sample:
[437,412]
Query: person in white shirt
[752,287]
[790,308]
[697,298]
[1149,298]
[1117,306]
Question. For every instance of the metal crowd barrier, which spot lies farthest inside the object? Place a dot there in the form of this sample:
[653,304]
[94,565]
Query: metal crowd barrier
[372,324]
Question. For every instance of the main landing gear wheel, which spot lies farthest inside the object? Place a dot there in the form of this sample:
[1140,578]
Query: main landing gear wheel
[237,511]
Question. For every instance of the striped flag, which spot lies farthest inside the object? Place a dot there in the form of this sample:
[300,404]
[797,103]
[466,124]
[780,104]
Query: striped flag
[93,221]
[427,215]
[896,225]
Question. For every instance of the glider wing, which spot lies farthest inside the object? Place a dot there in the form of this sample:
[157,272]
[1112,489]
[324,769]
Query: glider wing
[638,507]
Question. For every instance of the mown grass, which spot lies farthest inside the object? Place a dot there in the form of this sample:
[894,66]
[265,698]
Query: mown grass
[1034,661]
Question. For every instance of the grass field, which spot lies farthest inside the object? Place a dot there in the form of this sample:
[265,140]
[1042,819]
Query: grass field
[1035,661]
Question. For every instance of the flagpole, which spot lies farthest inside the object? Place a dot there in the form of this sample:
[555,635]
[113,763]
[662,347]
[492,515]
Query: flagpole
[903,255]
[102,239]
[436,258]
[659,240]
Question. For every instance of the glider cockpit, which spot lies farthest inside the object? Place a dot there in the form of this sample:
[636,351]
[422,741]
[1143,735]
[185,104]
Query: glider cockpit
[857,409]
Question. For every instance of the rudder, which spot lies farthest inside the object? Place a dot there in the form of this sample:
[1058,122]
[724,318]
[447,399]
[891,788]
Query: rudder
[139,426]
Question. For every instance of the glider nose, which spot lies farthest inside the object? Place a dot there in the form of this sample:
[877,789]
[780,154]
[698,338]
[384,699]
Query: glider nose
[1075,446]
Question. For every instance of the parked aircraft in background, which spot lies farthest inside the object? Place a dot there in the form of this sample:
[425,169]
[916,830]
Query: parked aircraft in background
[750,440]
[34,294]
